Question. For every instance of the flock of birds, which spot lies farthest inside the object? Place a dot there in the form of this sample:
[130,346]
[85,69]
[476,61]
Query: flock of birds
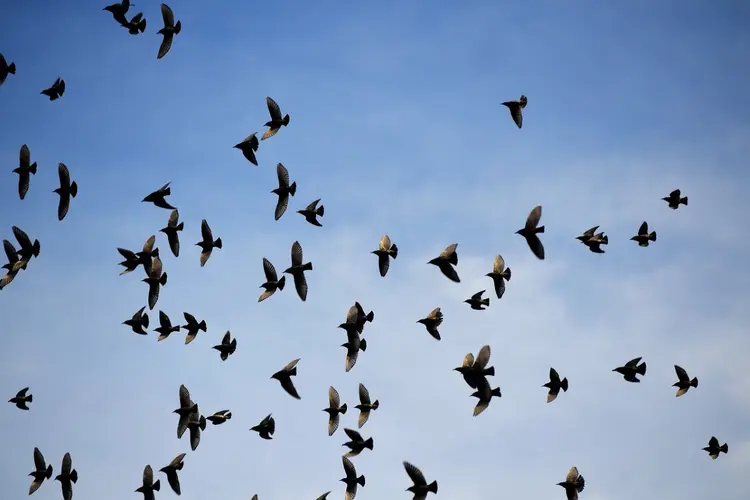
[475,370]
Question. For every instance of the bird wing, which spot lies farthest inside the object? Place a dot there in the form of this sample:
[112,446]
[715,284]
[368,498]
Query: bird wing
[333,397]
[553,375]
[185,400]
[643,230]
[353,435]
[532,220]
[633,362]
[67,465]
[333,423]
[681,373]
[535,245]
[148,245]
[22,238]
[478,295]
[281,205]
[516,112]
[269,270]
[22,392]
[415,474]
[283,175]
[173,218]
[436,315]
[273,109]
[590,232]
[499,265]
[24,157]
[164,320]
[174,480]
[148,476]
[227,338]
[349,469]
[166,44]
[291,365]
[167,15]
[39,462]
[449,250]
[300,284]
[10,252]
[383,264]
[353,314]
[385,243]
[296,254]
[64,174]
[572,475]
[177,461]
[206,232]
[483,357]
[312,206]
[288,385]
[675,194]
[364,395]
[63,206]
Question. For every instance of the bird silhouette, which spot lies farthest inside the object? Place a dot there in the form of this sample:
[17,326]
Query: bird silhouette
[156,279]
[500,274]
[249,146]
[172,231]
[297,270]
[631,369]
[272,282]
[158,197]
[24,170]
[192,326]
[445,262]
[41,471]
[266,427]
[149,486]
[554,385]
[312,212]
[683,381]
[66,191]
[284,376]
[68,477]
[138,322]
[356,443]
[165,328]
[283,191]
[675,199]
[21,399]
[335,408]
[171,470]
[220,417]
[365,406]
[385,252]
[6,69]
[208,243]
[420,488]
[531,230]
[643,238]
[432,321]
[227,347]
[516,109]
[56,91]
[351,480]
[169,30]
[276,121]
[573,484]
[714,449]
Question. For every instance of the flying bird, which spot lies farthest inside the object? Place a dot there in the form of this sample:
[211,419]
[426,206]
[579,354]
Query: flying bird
[297,270]
[324,496]
[420,488]
[683,381]
[445,262]
[149,485]
[386,251]
[276,121]
[208,243]
[227,347]
[187,408]
[356,319]
[432,321]
[484,394]
[272,283]
[335,408]
[193,326]
[249,146]
[354,343]
[362,318]
[516,109]
[118,11]
[477,302]
[196,424]
[283,191]
[155,280]
[165,328]
[169,30]
[555,384]
[56,91]
[474,370]
[136,25]
[593,240]
[66,191]
[27,249]
[675,199]
[220,417]
[12,255]
[21,399]
[714,449]
[171,471]
[356,443]
[144,257]
[573,484]
[41,471]
[284,376]
[631,369]
[530,231]
[312,212]
[6,69]
[351,480]
[138,322]
[644,237]
[158,197]
[24,170]
[68,477]
[365,406]
[500,274]
[172,230]
[266,427]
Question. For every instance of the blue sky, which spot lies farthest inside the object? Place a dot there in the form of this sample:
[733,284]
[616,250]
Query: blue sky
[396,123]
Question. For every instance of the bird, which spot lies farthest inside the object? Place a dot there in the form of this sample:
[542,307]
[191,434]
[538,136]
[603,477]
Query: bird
[139,322]
[354,343]
[283,191]
[169,30]
[473,370]
[171,230]
[118,11]
[165,328]
[187,408]
[351,480]
[386,251]
[208,243]
[6,69]
[573,484]
[149,486]
[56,91]
[477,302]
[27,249]
[365,406]
[193,326]
[644,237]
[297,270]
[362,318]
[24,170]
[324,496]
[196,424]
[445,262]
[714,449]
[227,347]
[555,384]
[249,146]
[432,321]
[683,383]
[355,320]
[21,399]
[266,427]
[41,471]
[144,257]
[516,109]
[356,443]
[675,199]
[631,369]
[220,417]
[500,274]
[312,212]
[420,488]
[66,191]
[171,471]
[12,255]
[272,282]
[276,121]
[158,197]
[484,395]
[136,25]
[284,376]
[530,231]
[335,408]
[593,241]
[155,280]
[68,477]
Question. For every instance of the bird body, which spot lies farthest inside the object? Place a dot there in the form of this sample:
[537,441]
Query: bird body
[193,326]
[365,406]
[356,443]
[420,488]
[335,408]
[68,477]
[484,395]
[149,486]
[351,480]
[196,424]
[156,279]
[66,191]
[187,408]
[474,370]
[220,417]
[172,231]
[27,249]
[714,449]
[171,470]
[573,484]
[118,11]
[158,197]
[249,146]
[41,471]
[136,25]
[139,322]
[283,191]
[165,328]
[272,282]
[593,241]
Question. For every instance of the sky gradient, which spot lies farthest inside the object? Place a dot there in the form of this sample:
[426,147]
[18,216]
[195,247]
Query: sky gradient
[396,124]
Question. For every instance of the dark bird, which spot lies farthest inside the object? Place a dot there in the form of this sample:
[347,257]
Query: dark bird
[420,488]
[354,343]
[144,257]
[149,485]
[484,394]
[432,322]
[312,212]
[171,471]
[169,30]
[356,319]
[356,443]
[386,251]
[156,279]
[56,91]
[631,369]
[283,191]
[24,170]
[477,302]
[683,381]
[351,480]
[41,472]
[573,484]
[644,237]
[593,240]
[516,109]
[555,384]
[530,231]
[220,417]
[713,448]
[227,347]
[473,370]
[324,496]
[249,146]
[297,270]
[284,376]
[675,199]
[208,243]
[192,326]
[6,69]
[272,283]
[136,25]
[196,424]
[139,322]
[165,328]
[445,262]
[500,274]
[171,230]
[27,249]
[12,255]
[266,427]
[119,10]
[335,408]
[68,477]
[365,406]
[66,191]
[21,399]
[276,121]
[158,197]
[187,408]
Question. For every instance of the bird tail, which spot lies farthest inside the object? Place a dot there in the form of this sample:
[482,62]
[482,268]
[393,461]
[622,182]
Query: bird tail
[693,383]
[432,487]
[202,423]
[48,473]
[684,200]
[36,248]
[540,229]
[177,28]
[342,409]
[507,274]
[320,211]
[73,189]
[163,279]
[233,346]
[564,384]
[724,448]
[218,244]
[394,251]
[605,240]
[30,399]
[228,415]
[280,284]
[485,302]
[652,236]
[286,120]
[369,443]
[363,345]
[180,226]
[307,267]
[496,392]
[74,476]
[202,325]
[293,372]
[32,168]
[142,26]
[360,479]
[293,188]
[157,485]
[370,316]
[376,405]
[641,370]
[489,372]
[12,71]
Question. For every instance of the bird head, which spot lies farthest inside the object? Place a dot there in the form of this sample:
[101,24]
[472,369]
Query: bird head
[58,477]
[164,469]
[634,238]
[411,488]
[467,301]
[110,8]
[460,369]
[435,261]
[275,375]
[421,321]
[288,271]
[519,231]
[562,484]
